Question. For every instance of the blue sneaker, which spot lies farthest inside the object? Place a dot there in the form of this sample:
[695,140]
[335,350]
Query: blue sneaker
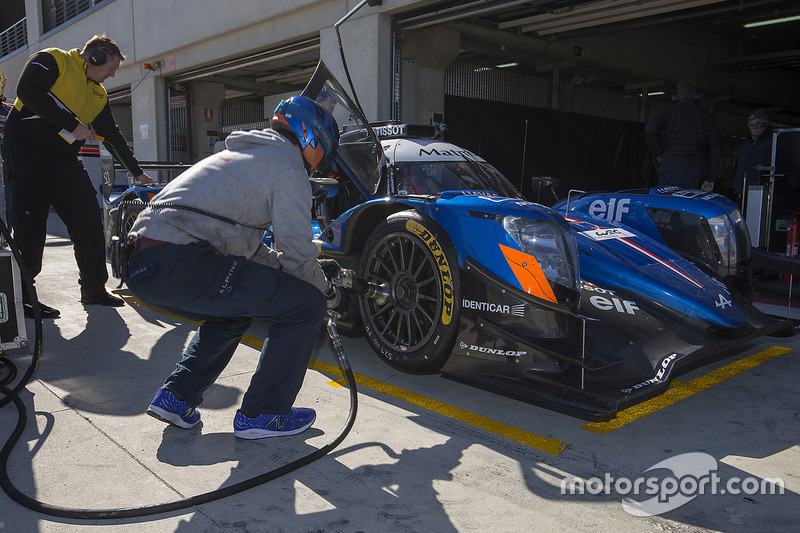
[299,420]
[167,408]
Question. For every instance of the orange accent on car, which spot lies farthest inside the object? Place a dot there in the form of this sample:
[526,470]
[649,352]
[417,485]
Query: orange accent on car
[529,274]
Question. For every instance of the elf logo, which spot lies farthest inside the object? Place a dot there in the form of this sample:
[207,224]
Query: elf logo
[614,303]
[611,211]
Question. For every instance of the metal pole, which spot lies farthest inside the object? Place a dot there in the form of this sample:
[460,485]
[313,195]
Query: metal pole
[524,147]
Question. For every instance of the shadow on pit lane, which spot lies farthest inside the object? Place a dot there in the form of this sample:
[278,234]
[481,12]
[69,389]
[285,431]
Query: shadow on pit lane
[399,494]
[100,374]
[754,416]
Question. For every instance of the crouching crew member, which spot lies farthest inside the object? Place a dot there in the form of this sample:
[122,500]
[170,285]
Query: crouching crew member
[198,253]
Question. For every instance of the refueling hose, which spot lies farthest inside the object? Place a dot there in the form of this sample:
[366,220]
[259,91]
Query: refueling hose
[12,395]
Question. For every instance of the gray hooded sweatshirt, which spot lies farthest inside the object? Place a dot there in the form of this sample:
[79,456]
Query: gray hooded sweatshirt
[258,181]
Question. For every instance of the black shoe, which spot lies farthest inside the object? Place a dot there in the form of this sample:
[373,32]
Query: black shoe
[101,298]
[44,310]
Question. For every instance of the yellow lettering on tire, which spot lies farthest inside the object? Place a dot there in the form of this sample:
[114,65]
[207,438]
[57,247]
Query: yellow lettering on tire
[441,262]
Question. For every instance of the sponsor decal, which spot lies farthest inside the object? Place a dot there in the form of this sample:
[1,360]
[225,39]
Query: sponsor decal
[692,193]
[493,351]
[591,287]
[611,210]
[723,302]
[485,194]
[611,302]
[444,268]
[603,234]
[607,304]
[447,153]
[503,309]
[226,283]
[663,370]
[392,129]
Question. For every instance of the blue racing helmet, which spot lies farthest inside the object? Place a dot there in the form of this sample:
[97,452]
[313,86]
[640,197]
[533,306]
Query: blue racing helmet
[315,128]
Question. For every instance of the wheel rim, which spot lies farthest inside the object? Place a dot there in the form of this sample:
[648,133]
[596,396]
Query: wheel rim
[408,320]
[131,213]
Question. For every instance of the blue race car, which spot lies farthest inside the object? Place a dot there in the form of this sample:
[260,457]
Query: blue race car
[560,305]
[564,305]
[704,227]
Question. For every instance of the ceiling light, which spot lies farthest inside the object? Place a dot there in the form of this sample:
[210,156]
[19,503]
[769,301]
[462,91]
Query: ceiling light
[482,69]
[772,21]
[506,65]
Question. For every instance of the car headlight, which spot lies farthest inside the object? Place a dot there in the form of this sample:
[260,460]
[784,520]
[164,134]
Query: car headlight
[720,243]
[722,231]
[553,247]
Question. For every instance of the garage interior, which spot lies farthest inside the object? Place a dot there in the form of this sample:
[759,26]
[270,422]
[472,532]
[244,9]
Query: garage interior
[557,88]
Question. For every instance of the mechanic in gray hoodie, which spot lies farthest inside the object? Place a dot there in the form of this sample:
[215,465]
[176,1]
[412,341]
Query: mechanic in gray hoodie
[198,253]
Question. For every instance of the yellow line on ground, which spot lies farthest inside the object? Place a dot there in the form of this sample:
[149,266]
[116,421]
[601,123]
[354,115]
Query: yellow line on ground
[547,445]
[680,390]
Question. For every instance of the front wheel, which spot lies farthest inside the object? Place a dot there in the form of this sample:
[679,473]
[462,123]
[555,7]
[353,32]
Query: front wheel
[414,330]
[120,219]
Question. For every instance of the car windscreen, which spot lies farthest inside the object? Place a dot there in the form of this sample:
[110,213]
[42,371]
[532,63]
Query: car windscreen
[433,177]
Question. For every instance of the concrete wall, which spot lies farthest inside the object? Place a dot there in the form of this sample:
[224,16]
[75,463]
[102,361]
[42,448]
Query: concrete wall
[186,35]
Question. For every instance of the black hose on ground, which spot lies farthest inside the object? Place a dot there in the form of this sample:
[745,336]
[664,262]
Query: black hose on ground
[12,395]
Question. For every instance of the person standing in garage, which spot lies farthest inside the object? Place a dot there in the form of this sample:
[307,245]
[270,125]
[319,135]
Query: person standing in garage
[684,140]
[61,103]
[755,151]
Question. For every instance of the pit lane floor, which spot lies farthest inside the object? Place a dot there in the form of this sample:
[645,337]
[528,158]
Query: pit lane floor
[426,453]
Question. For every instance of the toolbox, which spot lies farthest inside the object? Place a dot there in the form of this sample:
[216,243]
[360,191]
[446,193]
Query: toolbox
[12,316]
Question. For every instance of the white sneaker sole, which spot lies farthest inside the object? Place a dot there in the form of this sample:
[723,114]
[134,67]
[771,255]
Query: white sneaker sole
[168,417]
[257,433]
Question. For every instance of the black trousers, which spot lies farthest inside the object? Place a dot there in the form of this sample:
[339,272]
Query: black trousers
[39,181]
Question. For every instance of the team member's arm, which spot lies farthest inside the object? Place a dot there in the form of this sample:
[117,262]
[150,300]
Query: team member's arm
[105,125]
[35,81]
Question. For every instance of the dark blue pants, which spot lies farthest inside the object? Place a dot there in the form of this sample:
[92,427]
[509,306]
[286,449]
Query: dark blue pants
[227,292]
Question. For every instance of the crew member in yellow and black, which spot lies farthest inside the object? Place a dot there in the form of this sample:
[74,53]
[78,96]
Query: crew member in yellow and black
[61,103]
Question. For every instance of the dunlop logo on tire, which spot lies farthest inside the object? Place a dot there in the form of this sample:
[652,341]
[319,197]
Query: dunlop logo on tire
[441,261]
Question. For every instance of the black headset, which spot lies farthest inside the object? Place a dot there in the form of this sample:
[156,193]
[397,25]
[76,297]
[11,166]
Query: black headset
[98,56]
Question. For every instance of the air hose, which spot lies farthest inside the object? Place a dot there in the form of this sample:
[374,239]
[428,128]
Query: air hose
[12,395]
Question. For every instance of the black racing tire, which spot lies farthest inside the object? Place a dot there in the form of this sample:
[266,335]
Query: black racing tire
[129,211]
[121,221]
[411,255]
